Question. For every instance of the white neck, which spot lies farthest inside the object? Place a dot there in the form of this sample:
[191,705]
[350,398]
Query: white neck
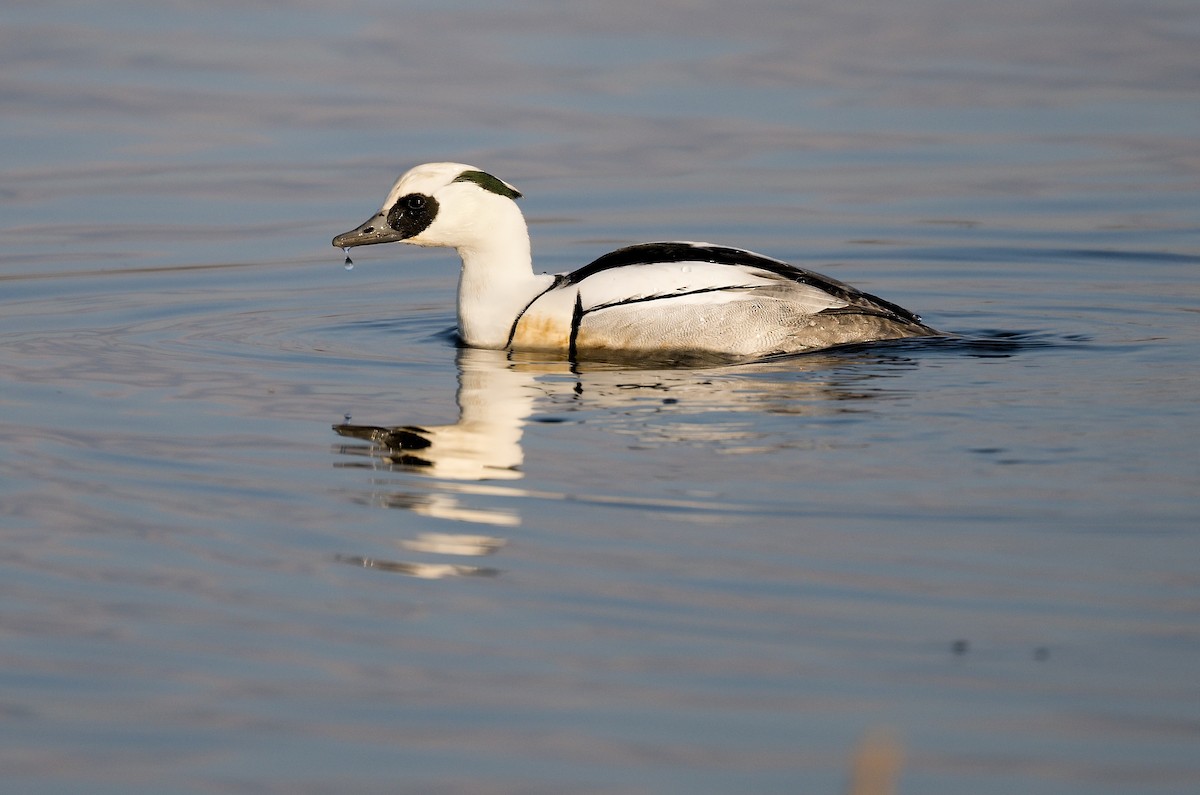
[497,279]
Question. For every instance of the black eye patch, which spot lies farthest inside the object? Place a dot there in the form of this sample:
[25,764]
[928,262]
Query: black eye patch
[412,214]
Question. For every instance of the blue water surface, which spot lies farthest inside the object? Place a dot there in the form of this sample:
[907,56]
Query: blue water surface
[602,577]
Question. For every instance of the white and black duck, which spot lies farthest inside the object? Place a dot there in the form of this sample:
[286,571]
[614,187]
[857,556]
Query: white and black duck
[689,298]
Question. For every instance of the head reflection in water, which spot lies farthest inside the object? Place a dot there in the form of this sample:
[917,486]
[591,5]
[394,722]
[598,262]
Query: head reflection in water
[494,401]
[452,472]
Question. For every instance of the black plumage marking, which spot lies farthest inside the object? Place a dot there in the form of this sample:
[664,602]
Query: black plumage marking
[512,331]
[489,183]
[412,214]
[576,319]
[860,303]
[656,253]
[728,288]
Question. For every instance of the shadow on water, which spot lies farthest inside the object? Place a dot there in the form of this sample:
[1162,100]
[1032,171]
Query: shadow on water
[982,344]
[466,471]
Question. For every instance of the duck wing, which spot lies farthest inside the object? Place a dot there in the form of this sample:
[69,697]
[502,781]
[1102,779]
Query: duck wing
[659,264]
[700,296]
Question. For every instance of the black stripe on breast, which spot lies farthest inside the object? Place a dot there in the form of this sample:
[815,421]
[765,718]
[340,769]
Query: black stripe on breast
[559,281]
[576,319]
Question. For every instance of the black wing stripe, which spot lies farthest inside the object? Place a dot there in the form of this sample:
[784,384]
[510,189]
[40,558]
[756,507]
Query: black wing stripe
[732,288]
[655,253]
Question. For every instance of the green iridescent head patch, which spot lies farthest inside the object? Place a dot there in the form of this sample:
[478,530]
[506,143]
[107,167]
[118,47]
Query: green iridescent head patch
[489,183]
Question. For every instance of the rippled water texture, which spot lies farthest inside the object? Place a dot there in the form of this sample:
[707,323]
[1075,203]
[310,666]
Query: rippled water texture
[264,528]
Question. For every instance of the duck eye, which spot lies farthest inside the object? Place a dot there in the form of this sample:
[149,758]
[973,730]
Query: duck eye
[411,214]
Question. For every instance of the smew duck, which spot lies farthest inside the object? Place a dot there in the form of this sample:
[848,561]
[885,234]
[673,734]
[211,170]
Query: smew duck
[689,298]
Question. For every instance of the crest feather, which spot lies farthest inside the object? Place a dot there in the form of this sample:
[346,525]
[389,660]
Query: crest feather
[489,183]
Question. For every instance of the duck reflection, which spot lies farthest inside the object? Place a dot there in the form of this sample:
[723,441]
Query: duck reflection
[476,459]
[485,444]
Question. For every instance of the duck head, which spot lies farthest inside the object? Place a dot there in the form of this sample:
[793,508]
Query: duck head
[440,204]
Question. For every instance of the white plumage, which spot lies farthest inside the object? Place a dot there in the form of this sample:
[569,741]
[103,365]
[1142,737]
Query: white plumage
[671,297]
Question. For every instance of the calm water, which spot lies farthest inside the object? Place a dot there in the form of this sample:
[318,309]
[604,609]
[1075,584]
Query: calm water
[604,578]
